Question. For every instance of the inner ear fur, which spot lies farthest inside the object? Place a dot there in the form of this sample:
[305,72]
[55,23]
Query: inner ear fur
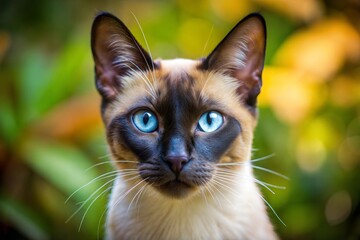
[241,55]
[116,53]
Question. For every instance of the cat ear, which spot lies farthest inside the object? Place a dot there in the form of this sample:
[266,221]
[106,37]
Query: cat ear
[116,54]
[241,55]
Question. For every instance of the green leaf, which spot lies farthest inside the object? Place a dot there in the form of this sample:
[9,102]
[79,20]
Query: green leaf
[68,169]
[63,166]
[66,74]
[33,75]
[9,128]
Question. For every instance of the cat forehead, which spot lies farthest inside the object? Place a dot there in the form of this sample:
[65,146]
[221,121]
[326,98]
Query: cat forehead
[177,67]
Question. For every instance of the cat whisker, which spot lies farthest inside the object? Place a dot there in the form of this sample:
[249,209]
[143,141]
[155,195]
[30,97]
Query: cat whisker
[270,171]
[100,220]
[203,87]
[92,202]
[123,62]
[255,167]
[244,163]
[262,183]
[136,195]
[241,163]
[263,158]
[272,209]
[105,156]
[109,162]
[273,185]
[228,65]
[110,174]
[117,202]
[152,91]
[255,180]
[147,46]
[129,179]
[138,201]
[102,176]
[105,175]
[88,199]
[128,191]
[207,41]
[124,161]
[231,164]
[223,183]
[139,73]
[220,192]
[223,187]
[202,191]
[210,191]
[220,179]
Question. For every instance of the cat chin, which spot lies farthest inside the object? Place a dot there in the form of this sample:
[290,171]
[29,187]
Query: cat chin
[176,189]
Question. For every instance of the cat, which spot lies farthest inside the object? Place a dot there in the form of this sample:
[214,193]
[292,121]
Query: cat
[180,133]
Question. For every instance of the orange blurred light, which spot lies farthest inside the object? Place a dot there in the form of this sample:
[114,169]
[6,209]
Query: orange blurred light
[77,116]
[231,10]
[321,50]
[304,10]
[338,208]
[345,91]
[292,94]
[4,43]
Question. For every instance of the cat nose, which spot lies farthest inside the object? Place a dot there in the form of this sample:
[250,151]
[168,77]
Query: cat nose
[176,163]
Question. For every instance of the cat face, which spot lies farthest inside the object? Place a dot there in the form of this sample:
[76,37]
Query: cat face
[175,120]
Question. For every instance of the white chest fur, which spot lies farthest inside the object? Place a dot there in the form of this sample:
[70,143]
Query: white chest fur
[232,212]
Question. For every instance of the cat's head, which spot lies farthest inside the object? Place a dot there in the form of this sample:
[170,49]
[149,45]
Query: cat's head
[175,120]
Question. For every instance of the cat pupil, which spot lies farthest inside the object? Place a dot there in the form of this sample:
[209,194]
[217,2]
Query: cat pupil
[209,118]
[146,118]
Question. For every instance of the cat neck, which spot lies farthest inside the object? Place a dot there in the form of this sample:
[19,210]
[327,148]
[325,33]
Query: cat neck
[218,212]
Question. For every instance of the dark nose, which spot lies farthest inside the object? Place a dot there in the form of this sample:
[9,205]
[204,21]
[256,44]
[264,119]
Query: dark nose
[176,163]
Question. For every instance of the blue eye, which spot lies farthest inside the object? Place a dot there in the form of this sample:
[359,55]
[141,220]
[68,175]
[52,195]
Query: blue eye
[210,121]
[145,121]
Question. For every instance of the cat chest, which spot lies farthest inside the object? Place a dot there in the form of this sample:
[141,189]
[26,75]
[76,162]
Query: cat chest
[162,221]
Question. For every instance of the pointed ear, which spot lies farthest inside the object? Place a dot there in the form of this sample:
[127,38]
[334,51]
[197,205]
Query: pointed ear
[241,55]
[116,53]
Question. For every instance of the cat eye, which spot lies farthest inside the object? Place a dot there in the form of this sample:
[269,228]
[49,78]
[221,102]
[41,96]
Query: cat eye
[210,121]
[145,121]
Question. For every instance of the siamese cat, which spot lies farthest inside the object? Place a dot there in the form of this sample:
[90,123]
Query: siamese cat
[180,133]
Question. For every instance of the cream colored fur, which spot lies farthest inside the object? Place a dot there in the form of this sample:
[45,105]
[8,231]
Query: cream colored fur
[238,213]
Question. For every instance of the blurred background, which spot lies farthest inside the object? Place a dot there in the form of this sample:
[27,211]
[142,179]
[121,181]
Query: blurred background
[51,134]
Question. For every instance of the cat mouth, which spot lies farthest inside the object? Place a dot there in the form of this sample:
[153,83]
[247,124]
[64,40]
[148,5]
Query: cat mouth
[176,189]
